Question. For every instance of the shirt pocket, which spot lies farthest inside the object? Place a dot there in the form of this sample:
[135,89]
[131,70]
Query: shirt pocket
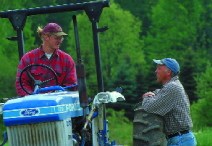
[37,73]
[60,75]
[59,71]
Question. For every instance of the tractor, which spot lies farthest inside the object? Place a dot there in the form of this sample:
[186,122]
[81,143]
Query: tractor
[55,115]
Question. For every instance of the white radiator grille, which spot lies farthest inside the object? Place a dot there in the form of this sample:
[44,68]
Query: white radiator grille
[57,133]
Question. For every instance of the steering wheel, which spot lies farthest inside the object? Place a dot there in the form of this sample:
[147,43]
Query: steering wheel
[37,83]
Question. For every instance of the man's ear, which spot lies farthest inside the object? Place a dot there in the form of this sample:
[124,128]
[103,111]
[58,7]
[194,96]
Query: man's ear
[168,71]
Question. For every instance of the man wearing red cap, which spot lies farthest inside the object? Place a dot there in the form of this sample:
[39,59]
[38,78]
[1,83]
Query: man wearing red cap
[172,103]
[47,54]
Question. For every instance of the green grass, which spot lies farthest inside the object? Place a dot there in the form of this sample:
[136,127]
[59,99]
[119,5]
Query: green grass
[120,128]
[204,137]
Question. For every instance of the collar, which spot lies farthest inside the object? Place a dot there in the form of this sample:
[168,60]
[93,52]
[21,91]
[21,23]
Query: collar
[42,53]
[171,80]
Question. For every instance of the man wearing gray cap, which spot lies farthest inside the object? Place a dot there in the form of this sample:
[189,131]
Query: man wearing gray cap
[172,103]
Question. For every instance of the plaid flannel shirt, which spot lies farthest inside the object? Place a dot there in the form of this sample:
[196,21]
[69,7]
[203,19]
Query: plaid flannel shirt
[60,62]
[171,102]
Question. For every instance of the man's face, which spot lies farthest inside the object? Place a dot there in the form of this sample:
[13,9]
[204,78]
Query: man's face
[54,41]
[163,74]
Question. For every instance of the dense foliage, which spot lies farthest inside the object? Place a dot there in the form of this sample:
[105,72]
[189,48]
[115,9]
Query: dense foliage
[201,109]
[138,31]
[175,29]
[120,57]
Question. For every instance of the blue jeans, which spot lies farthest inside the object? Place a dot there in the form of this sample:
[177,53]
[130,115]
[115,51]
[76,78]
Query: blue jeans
[187,139]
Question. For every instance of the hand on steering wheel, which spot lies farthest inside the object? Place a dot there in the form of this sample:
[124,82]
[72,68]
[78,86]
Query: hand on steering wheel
[37,83]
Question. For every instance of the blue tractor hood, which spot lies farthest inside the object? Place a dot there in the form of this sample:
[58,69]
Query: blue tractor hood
[42,108]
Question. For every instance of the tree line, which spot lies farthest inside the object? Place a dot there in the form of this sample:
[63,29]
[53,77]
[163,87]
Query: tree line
[139,31]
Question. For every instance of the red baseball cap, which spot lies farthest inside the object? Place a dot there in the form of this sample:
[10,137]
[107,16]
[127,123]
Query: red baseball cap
[54,28]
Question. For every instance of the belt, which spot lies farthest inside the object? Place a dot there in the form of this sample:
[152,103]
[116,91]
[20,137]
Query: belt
[178,133]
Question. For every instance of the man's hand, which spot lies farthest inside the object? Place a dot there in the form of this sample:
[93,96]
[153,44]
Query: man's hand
[148,94]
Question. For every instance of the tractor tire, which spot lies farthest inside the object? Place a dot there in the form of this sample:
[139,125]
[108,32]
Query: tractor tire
[148,129]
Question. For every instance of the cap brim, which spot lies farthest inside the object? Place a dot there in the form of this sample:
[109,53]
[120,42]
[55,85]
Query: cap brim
[158,61]
[60,34]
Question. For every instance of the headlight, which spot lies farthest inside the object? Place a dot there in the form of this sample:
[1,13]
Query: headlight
[1,107]
[107,97]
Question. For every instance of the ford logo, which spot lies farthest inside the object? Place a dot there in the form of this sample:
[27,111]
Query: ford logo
[29,112]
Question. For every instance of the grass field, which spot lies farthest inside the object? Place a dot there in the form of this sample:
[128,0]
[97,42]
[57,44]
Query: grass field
[122,131]
[204,137]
